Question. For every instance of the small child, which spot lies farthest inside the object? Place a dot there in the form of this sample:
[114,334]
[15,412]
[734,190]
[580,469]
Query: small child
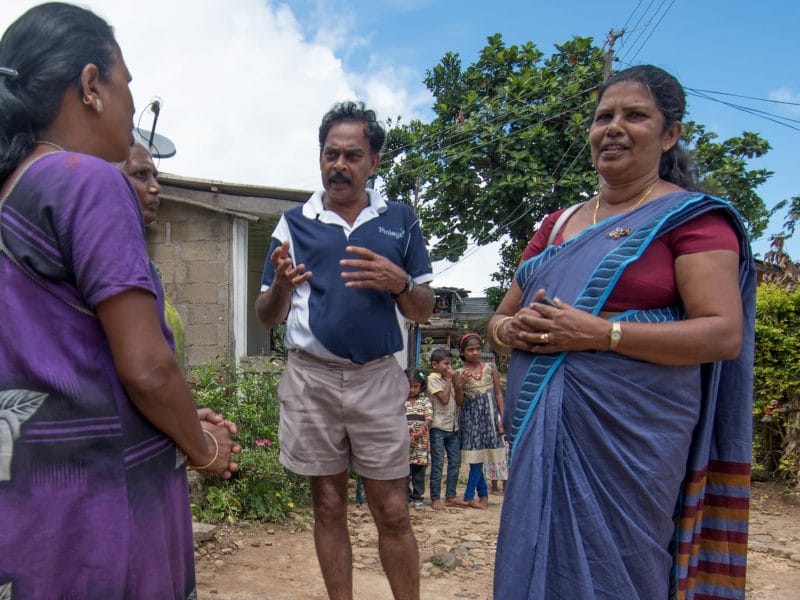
[497,472]
[481,406]
[419,414]
[445,436]
[361,495]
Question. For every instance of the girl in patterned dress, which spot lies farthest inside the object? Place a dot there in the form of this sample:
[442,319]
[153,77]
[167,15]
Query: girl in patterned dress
[419,412]
[481,407]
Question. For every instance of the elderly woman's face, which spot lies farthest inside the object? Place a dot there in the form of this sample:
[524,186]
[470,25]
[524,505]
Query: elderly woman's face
[142,173]
[627,134]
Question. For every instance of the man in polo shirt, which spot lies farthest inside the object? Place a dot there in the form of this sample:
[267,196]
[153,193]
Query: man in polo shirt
[337,268]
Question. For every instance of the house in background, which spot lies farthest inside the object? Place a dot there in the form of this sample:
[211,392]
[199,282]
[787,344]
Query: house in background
[454,313]
[209,243]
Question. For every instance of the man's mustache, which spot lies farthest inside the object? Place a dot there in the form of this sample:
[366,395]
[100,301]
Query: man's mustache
[339,178]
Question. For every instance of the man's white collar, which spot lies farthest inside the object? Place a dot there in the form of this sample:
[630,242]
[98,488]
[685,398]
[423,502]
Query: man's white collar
[314,207]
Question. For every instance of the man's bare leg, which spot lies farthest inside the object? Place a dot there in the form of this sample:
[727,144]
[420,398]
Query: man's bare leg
[396,542]
[331,536]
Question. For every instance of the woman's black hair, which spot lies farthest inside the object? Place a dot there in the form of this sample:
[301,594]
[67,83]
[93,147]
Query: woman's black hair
[676,165]
[439,354]
[47,49]
[466,339]
[353,112]
[415,375]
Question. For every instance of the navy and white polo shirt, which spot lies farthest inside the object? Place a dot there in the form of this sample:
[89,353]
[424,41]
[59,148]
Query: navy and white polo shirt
[327,319]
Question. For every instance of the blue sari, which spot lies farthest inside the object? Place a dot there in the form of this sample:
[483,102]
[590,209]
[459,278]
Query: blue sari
[628,479]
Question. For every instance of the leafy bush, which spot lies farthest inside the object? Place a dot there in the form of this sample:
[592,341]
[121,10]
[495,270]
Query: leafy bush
[262,489]
[776,400]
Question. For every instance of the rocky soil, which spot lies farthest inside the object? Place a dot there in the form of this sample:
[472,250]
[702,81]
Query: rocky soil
[257,562]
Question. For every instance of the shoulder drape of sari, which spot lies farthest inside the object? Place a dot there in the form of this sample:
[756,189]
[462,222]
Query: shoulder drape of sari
[628,479]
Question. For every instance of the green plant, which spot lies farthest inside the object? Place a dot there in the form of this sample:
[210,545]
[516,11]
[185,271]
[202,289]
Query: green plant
[262,489]
[776,397]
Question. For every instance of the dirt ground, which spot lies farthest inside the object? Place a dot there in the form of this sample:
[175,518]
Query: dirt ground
[257,562]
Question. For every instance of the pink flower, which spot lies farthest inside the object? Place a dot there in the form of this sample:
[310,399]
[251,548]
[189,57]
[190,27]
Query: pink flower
[264,442]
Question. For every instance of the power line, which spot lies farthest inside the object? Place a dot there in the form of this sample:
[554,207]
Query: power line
[652,31]
[456,135]
[628,20]
[641,46]
[752,111]
[639,31]
[743,96]
[477,244]
[455,142]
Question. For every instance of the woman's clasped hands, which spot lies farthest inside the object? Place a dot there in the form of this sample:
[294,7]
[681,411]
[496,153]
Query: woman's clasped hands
[221,446]
[546,326]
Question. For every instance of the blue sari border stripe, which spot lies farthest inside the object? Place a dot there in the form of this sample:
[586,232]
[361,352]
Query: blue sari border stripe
[706,591]
[709,556]
[539,372]
[714,523]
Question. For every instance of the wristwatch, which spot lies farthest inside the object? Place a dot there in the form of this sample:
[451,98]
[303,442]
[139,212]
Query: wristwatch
[615,335]
[407,289]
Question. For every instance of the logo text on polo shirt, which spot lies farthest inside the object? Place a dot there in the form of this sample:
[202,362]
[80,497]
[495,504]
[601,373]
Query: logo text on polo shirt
[395,234]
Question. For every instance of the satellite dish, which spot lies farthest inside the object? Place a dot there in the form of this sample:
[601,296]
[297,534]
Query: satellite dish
[160,146]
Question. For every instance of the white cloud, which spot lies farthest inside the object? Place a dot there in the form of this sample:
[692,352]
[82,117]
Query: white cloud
[244,85]
[244,88]
[472,272]
[786,95]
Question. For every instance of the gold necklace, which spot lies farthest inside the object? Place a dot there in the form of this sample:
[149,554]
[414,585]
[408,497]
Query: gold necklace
[476,374]
[53,144]
[638,202]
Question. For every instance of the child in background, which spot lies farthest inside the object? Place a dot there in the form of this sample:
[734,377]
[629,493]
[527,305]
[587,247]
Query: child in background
[481,400]
[497,472]
[361,495]
[420,415]
[445,436]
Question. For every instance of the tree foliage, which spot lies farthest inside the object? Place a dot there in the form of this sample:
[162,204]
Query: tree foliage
[776,399]
[723,170]
[509,144]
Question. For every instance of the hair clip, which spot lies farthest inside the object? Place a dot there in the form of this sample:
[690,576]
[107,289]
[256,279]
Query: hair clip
[9,72]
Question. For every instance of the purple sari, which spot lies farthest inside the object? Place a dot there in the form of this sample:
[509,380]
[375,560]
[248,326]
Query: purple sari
[628,479]
[93,499]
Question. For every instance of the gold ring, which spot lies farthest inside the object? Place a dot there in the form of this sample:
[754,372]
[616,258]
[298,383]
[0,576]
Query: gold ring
[544,338]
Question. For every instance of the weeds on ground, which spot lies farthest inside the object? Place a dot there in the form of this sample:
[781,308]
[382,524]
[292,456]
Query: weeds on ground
[262,489]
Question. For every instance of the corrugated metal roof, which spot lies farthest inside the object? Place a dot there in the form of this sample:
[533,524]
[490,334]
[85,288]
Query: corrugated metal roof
[475,306]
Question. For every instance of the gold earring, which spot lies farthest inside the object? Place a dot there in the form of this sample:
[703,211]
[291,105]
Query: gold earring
[666,148]
[87,99]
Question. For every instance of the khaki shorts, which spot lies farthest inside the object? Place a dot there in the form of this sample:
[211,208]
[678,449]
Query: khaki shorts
[336,417]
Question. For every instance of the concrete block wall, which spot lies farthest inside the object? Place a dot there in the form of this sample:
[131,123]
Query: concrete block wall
[192,248]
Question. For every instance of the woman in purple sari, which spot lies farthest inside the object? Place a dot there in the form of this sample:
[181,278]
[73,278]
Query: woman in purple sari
[96,419]
[629,395]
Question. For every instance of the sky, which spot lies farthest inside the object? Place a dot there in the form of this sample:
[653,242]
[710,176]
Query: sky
[244,83]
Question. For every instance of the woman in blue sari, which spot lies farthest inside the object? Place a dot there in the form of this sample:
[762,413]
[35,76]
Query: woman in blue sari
[629,395]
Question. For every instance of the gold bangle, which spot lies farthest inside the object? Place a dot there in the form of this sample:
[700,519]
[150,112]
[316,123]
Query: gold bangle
[495,331]
[216,452]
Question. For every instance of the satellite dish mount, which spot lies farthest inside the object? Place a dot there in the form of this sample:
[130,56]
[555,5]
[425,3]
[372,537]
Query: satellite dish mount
[160,146]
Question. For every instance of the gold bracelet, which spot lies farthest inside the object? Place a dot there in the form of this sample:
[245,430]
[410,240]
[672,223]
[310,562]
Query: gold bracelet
[496,329]
[216,452]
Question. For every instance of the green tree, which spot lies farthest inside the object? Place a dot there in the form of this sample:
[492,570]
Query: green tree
[723,170]
[509,144]
[776,398]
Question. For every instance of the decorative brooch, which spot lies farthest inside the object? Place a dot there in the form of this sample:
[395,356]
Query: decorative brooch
[619,232]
